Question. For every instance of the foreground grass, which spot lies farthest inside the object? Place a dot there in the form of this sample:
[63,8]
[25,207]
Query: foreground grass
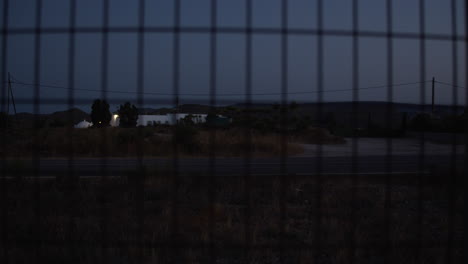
[161,218]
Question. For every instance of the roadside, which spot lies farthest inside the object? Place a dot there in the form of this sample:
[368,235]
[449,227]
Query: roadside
[378,147]
[440,138]
[160,141]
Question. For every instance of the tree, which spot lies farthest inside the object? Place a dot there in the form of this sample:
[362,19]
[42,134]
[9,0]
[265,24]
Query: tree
[188,120]
[100,114]
[128,115]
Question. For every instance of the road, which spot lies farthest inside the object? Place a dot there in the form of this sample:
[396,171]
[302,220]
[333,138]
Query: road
[332,159]
[258,166]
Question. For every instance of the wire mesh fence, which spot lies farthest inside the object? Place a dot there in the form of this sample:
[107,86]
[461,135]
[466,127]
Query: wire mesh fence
[262,180]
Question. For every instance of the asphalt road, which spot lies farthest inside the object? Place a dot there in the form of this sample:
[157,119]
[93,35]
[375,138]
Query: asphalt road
[401,164]
[328,159]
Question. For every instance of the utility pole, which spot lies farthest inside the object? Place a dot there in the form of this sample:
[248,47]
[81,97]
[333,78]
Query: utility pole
[8,96]
[10,91]
[433,86]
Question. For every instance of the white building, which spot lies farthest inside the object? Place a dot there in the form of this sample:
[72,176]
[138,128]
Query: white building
[168,119]
[84,124]
[149,120]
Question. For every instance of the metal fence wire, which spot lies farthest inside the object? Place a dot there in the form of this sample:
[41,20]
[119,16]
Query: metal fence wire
[253,208]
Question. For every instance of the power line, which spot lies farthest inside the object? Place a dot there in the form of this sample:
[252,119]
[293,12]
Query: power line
[449,84]
[16,81]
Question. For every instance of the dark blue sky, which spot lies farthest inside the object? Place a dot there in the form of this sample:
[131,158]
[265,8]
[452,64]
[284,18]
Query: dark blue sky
[195,49]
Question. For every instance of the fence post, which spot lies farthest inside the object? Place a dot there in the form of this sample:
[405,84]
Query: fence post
[433,86]
[369,122]
[403,123]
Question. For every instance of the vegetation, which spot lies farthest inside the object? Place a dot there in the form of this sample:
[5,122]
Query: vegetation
[136,217]
[57,123]
[100,114]
[185,136]
[451,123]
[266,128]
[153,141]
[188,120]
[156,217]
[128,115]
[278,118]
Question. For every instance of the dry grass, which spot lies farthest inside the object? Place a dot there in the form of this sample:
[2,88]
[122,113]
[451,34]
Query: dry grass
[118,142]
[316,136]
[74,217]
[234,142]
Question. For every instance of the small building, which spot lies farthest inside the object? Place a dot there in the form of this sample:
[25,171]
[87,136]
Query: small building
[83,124]
[151,120]
[168,119]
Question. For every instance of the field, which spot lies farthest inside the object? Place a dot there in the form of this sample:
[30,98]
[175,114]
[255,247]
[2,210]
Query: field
[158,217]
[154,142]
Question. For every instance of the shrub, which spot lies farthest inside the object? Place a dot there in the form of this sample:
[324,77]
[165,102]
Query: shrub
[186,136]
[57,123]
[126,136]
[147,131]
[421,122]
[455,123]
[187,120]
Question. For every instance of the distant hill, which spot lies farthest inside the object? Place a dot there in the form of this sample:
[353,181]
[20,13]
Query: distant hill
[374,107]
[377,108]
[185,108]
[60,118]
[63,117]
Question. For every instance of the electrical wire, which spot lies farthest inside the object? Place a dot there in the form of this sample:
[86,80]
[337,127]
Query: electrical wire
[449,84]
[16,81]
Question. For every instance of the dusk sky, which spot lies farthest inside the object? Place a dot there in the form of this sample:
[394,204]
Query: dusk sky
[266,63]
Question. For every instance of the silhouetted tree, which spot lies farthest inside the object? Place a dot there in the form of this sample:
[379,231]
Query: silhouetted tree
[100,114]
[188,120]
[128,115]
